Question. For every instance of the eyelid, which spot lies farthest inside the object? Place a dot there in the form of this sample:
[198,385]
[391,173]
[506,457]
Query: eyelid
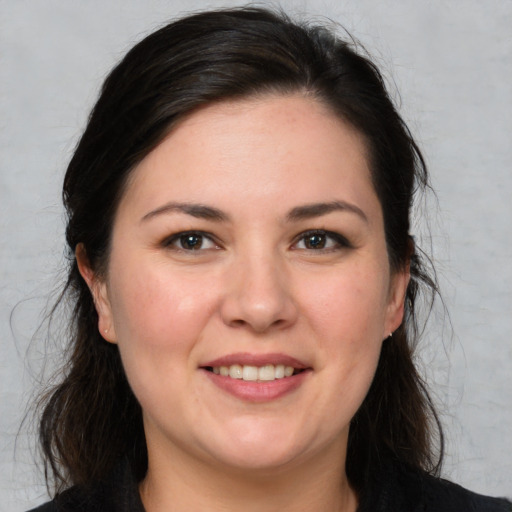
[340,240]
[169,241]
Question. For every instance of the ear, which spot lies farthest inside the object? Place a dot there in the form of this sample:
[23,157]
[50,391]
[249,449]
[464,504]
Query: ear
[396,301]
[99,292]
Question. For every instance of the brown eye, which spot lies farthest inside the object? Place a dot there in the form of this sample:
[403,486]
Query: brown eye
[315,241]
[190,241]
[319,240]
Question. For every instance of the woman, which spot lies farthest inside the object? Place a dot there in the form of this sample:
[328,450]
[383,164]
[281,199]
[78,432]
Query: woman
[244,282]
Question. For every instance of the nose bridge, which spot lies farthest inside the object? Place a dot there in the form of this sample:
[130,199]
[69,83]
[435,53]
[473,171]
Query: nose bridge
[259,293]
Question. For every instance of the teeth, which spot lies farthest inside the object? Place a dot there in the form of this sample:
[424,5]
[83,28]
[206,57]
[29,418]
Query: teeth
[250,373]
[288,371]
[279,371]
[255,373]
[235,371]
[267,372]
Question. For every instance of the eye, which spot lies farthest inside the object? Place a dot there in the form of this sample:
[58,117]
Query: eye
[190,241]
[318,240]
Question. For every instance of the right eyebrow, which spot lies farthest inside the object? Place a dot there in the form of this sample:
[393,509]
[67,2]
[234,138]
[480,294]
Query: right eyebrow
[199,211]
[309,211]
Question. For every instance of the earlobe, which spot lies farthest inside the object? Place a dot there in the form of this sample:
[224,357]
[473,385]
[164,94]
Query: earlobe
[99,292]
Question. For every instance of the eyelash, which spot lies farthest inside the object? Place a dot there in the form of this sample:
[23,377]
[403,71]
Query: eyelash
[171,242]
[336,240]
[339,241]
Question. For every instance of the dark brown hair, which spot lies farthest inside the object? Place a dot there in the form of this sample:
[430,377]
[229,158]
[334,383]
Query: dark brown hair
[91,419]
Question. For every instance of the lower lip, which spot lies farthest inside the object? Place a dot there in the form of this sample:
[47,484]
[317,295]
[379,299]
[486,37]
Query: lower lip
[258,391]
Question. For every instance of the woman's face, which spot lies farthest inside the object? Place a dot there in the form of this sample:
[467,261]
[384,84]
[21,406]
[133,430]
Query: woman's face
[250,244]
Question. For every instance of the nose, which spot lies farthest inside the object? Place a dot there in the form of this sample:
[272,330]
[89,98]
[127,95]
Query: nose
[259,295]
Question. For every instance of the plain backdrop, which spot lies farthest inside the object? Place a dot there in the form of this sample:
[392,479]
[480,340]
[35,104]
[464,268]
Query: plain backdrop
[451,62]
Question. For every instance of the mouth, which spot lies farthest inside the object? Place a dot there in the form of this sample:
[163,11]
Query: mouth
[257,377]
[265,373]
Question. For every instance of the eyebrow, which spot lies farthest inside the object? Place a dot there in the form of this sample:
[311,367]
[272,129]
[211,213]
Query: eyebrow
[310,211]
[307,211]
[199,211]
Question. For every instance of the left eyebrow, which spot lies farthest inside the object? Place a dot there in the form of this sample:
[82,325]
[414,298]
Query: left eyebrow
[309,211]
[199,211]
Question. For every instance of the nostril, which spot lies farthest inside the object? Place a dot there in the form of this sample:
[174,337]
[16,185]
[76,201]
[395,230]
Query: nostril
[238,323]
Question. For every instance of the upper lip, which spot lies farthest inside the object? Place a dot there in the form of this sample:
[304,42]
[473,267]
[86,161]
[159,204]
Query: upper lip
[247,359]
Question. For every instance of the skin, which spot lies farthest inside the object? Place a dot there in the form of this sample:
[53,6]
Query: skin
[256,286]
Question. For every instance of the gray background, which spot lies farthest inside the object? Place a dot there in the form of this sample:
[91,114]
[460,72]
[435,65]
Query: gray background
[451,62]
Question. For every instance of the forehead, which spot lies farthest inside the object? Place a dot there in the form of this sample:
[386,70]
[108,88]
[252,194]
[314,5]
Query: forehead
[291,147]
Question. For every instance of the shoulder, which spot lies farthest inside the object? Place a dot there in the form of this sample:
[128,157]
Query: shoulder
[117,493]
[399,488]
[440,495]
[47,507]
[73,500]
[96,499]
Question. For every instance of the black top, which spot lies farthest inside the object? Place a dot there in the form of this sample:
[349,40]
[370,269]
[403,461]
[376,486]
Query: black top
[398,490]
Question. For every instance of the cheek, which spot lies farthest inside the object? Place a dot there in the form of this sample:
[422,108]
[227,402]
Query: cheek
[158,318]
[347,306]
[347,314]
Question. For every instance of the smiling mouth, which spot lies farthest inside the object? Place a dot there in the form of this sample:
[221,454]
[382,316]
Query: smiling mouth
[266,373]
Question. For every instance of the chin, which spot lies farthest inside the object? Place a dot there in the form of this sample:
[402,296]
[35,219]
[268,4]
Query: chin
[257,461]
[261,447]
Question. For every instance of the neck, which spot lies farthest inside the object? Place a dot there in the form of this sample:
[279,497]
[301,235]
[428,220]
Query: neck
[179,483]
